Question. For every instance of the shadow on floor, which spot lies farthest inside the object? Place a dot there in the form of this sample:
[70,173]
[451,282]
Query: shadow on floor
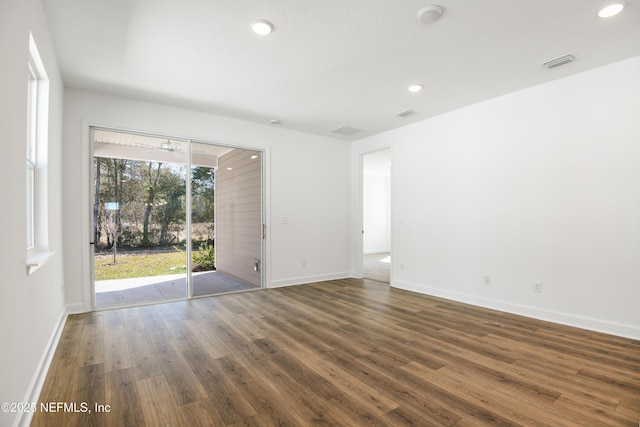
[167,287]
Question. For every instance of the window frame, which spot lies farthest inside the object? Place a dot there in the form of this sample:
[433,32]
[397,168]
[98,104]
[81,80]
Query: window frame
[32,125]
[36,147]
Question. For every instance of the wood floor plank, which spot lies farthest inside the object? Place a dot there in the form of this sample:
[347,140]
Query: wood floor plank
[113,318]
[204,330]
[521,409]
[240,324]
[327,334]
[431,407]
[91,347]
[132,319]
[202,413]
[307,378]
[229,403]
[156,403]
[299,336]
[587,408]
[630,409]
[154,324]
[121,393]
[347,352]
[142,354]
[90,389]
[357,391]
[178,374]
[58,387]
[116,349]
[69,344]
[350,412]
[181,335]
[307,408]
[272,409]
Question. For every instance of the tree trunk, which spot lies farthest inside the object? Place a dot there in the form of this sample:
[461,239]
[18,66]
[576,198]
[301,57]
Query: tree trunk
[151,194]
[165,226]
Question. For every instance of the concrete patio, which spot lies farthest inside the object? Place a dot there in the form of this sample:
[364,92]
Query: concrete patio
[158,288]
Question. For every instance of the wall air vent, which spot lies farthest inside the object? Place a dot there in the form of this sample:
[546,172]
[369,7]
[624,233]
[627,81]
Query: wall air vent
[405,113]
[559,61]
[346,130]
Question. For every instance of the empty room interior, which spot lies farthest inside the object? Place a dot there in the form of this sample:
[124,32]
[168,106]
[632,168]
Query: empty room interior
[363,212]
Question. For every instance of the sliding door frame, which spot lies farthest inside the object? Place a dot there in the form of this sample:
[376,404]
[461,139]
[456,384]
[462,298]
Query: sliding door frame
[90,294]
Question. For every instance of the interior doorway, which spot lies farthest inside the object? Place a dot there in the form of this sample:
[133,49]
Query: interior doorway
[173,218]
[376,215]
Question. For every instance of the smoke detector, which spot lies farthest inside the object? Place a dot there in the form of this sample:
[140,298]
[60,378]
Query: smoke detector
[430,14]
[347,130]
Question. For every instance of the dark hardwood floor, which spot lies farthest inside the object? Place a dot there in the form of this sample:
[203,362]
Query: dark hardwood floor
[344,353]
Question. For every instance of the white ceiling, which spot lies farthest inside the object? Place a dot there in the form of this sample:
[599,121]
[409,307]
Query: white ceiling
[330,63]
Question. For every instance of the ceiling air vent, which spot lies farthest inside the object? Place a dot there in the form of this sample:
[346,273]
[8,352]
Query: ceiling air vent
[559,61]
[405,113]
[347,130]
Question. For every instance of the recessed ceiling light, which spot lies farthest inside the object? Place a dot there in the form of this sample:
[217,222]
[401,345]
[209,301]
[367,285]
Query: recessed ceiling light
[415,87]
[261,27]
[611,10]
[274,121]
[430,14]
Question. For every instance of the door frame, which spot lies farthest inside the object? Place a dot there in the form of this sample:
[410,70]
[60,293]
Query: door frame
[357,178]
[88,262]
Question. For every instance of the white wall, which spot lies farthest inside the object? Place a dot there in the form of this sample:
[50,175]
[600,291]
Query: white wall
[538,185]
[31,307]
[305,183]
[376,214]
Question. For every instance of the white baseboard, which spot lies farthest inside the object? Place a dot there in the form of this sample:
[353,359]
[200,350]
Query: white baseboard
[597,325]
[35,386]
[308,279]
[380,251]
[75,308]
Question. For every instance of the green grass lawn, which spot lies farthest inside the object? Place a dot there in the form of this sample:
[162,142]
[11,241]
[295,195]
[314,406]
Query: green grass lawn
[143,265]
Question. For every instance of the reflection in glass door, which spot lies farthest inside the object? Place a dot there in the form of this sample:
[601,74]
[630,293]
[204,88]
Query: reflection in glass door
[139,220]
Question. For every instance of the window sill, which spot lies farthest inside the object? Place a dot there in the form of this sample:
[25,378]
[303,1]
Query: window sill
[36,260]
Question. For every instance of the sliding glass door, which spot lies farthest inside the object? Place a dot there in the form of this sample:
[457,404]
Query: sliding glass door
[173,218]
[139,220]
[226,221]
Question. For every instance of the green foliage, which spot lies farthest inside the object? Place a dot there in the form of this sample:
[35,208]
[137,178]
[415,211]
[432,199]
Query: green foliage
[205,257]
[202,187]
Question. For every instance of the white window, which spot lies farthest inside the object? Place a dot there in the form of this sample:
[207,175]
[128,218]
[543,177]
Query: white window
[36,154]
[32,118]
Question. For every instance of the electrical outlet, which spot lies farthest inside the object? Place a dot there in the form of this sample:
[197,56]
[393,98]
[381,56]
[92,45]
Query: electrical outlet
[401,267]
[487,280]
[304,262]
[537,287]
